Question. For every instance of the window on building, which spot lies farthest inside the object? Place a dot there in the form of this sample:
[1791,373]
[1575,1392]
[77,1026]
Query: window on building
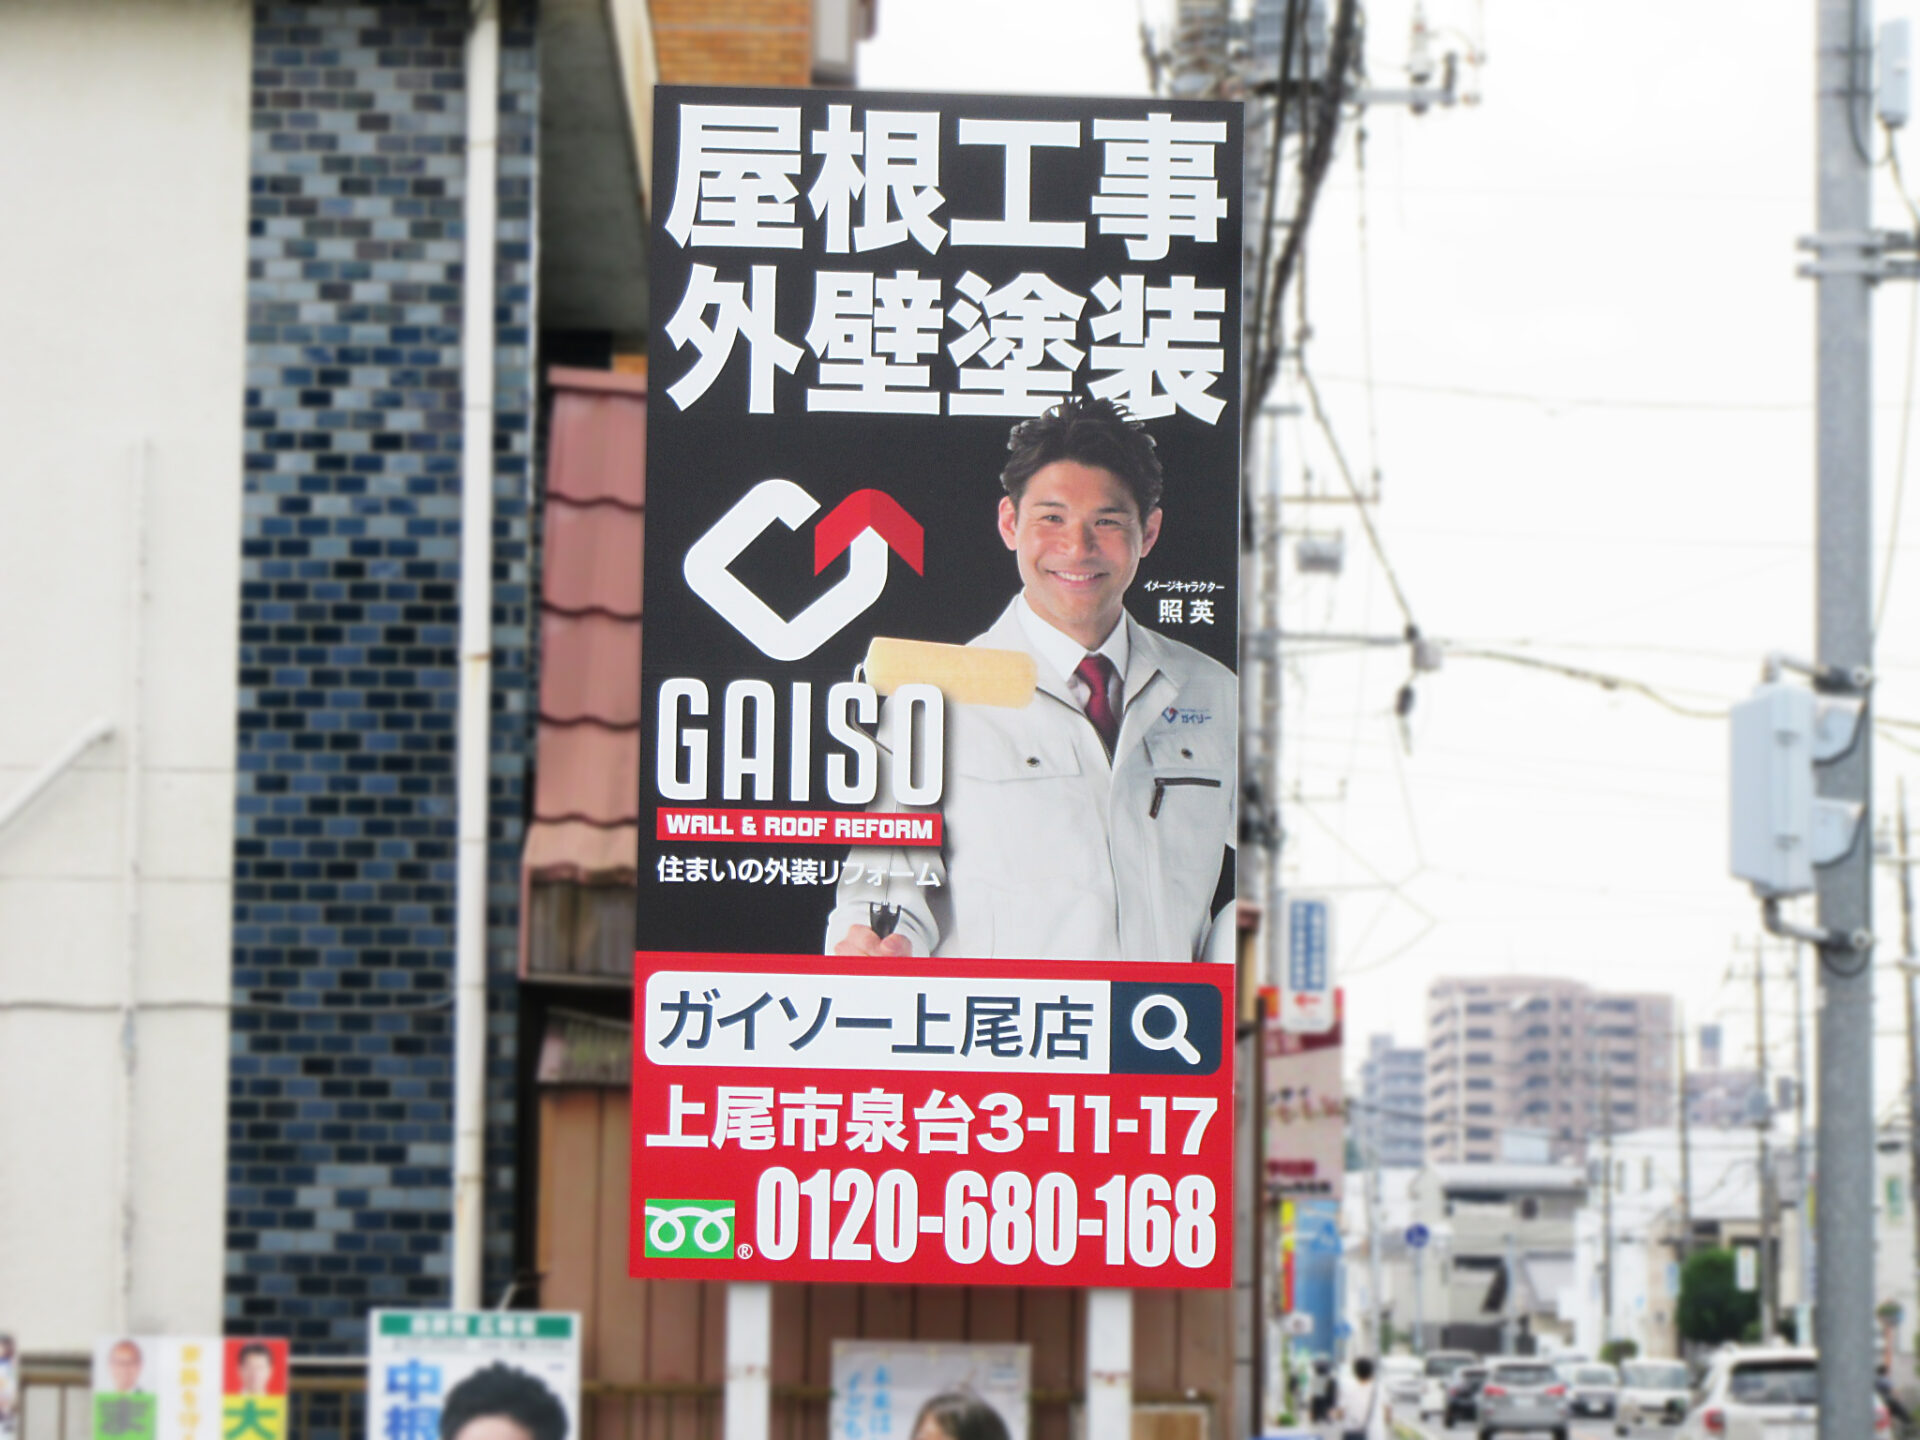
[1479,1057]
[1481,1084]
[1478,1133]
[1479,1109]
[1479,1033]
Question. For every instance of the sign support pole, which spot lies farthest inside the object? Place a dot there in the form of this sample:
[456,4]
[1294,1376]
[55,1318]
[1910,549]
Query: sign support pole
[749,1398]
[1109,1363]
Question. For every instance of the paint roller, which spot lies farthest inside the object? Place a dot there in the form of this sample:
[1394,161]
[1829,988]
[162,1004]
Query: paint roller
[966,674]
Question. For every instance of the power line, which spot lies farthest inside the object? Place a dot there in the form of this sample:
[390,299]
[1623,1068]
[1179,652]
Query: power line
[1600,678]
[1359,502]
[1906,402]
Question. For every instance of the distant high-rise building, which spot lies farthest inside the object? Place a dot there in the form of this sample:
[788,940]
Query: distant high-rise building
[1388,1120]
[1542,1055]
[1709,1047]
[1720,1098]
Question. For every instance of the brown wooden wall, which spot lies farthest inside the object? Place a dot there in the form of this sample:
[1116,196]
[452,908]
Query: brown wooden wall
[672,1332]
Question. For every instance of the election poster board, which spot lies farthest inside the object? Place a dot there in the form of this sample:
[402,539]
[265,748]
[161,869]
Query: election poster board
[1306,1110]
[186,1387]
[941,595]
[882,1388]
[438,1372]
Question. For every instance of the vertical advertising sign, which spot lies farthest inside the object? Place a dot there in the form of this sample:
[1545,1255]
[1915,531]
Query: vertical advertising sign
[939,719]
[182,1387]
[1306,1111]
[1306,990]
[458,1374]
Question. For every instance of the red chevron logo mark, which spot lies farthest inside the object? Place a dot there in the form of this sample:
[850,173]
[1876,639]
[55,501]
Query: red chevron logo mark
[873,510]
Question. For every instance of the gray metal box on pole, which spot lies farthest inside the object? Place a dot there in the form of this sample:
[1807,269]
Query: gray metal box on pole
[1779,829]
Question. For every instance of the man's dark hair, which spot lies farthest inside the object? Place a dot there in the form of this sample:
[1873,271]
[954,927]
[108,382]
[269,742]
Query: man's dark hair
[254,1349]
[1363,1369]
[963,1416]
[502,1390]
[1090,432]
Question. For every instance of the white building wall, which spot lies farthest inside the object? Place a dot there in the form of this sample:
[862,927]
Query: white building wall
[122,280]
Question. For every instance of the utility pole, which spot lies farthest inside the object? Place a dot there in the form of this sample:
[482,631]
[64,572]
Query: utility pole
[1803,1237]
[1685,1247]
[1763,1120]
[1420,1300]
[1373,1244]
[1843,411]
[1686,1152]
[1606,1204]
[1913,1021]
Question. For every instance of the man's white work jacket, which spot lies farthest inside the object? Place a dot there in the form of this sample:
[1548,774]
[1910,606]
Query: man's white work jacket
[1050,851]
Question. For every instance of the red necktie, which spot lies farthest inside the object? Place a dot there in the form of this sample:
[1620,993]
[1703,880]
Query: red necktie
[1096,672]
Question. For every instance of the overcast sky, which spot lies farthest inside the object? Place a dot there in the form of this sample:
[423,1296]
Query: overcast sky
[1590,409]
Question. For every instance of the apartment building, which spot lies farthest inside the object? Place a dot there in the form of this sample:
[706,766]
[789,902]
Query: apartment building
[1388,1122]
[1545,1055]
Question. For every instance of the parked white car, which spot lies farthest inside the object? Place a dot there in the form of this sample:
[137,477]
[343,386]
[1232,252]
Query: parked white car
[1652,1392]
[1763,1394]
[1403,1376]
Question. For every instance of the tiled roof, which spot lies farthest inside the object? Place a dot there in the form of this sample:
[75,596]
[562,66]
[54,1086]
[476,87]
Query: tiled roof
[586,794]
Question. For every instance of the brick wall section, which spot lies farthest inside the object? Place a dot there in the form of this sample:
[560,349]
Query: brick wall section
[733,42]
[339,1182]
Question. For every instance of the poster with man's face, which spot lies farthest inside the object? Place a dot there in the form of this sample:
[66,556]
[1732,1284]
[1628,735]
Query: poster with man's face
[941,583]
[187,1387]
[465,1375]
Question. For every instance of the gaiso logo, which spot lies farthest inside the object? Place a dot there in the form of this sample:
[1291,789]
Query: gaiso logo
[689,1229]
[867,523]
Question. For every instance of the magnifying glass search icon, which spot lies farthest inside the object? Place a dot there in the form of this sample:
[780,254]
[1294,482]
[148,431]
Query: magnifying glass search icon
[1176,1038]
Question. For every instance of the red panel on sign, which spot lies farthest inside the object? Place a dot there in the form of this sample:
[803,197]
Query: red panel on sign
[916,1121]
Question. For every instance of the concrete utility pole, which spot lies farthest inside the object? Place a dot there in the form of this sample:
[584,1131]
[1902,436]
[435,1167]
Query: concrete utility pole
[1803,1238]
[1843,409]
[1762,1122]
[1606,1205]
[1685,1247]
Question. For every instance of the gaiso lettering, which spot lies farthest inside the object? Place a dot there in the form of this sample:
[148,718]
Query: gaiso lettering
[752,731]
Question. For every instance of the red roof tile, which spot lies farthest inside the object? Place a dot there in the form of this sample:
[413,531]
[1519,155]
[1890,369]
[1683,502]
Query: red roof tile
[587,757]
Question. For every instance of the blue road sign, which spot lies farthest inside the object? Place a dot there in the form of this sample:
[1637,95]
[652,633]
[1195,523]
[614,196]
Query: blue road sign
[1417,1236]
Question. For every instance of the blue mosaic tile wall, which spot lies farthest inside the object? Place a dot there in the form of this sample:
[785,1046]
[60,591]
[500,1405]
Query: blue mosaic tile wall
[340,1140]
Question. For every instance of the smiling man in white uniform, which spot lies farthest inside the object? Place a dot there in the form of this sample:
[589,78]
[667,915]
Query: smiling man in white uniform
[1097,821]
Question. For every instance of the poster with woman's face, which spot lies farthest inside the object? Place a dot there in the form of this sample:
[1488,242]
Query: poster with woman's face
[903,1390]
